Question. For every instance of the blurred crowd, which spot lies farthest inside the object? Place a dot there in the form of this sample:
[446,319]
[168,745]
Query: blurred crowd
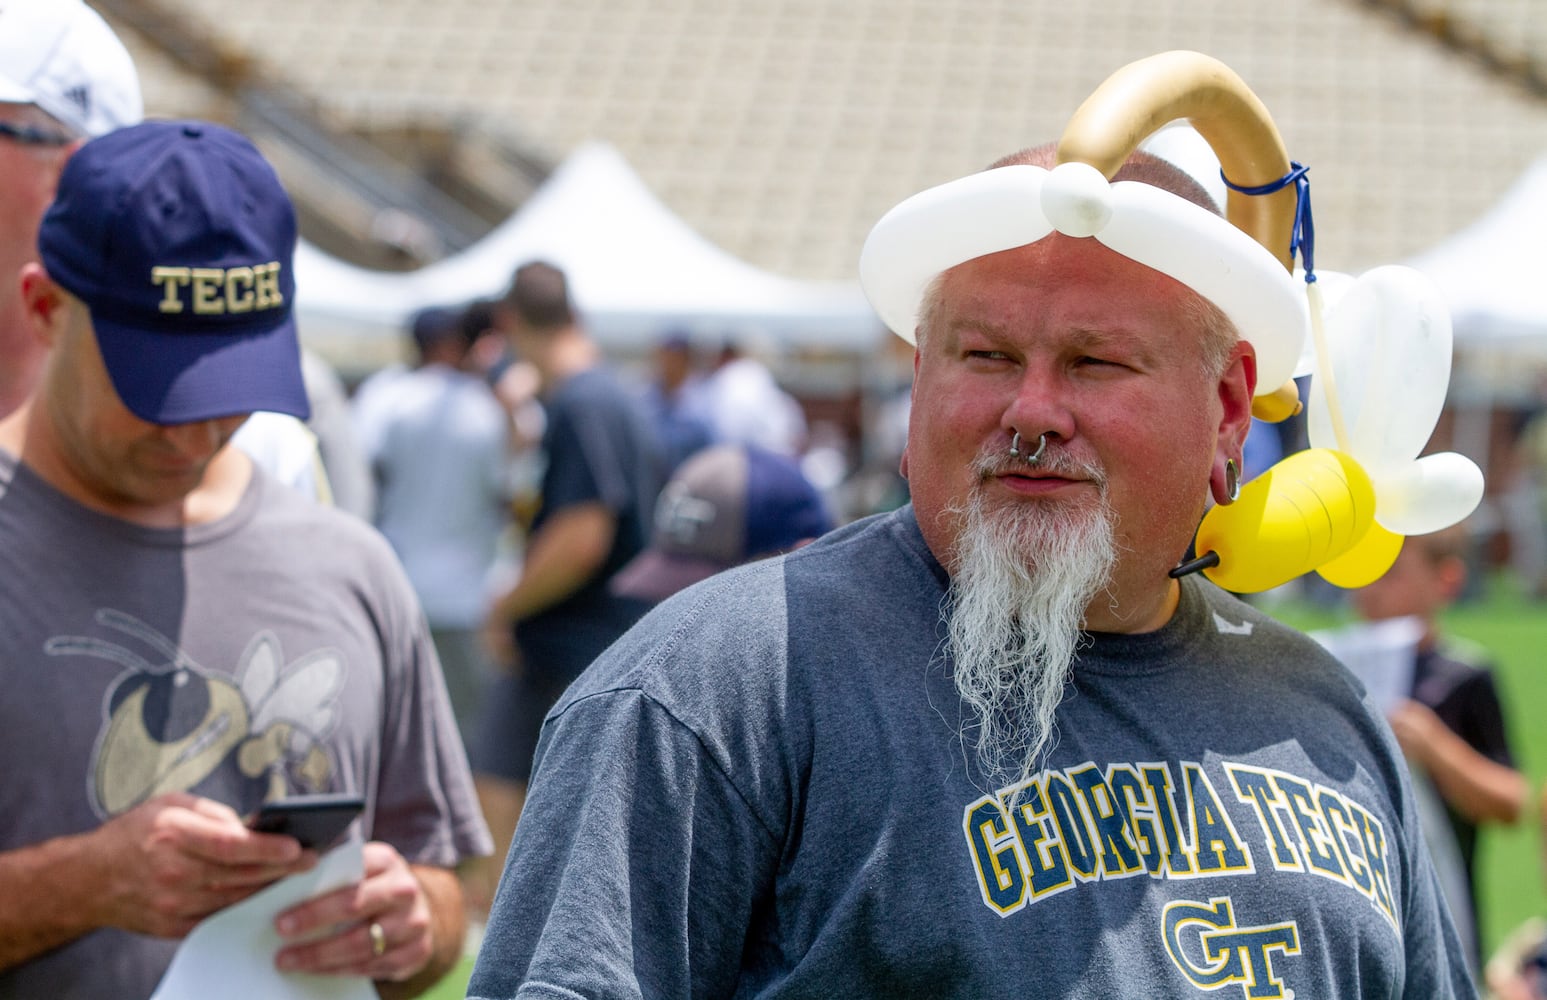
[541,499]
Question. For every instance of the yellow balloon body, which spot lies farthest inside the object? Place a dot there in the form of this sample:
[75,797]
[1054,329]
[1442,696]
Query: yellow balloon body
[1306,511]
[1366,562]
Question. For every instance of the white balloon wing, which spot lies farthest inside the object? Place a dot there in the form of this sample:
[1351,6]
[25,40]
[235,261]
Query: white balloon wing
[1432,493]
[1380,393]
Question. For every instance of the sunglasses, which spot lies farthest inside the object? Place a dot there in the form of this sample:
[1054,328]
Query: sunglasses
[26,135]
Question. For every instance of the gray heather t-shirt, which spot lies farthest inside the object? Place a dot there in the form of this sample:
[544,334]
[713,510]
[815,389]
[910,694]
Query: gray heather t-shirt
[277,651]
[760,791]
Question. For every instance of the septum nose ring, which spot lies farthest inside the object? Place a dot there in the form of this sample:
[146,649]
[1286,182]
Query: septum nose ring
[1034,457]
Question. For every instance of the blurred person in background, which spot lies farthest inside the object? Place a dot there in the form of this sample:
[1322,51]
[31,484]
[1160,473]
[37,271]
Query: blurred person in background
[1451,726]
[1517,970]
[726,505]
[676,400]
[64,77]
[515,382]
[601,476]
[746,405]
[344,465]
[1524,502]
[438,444]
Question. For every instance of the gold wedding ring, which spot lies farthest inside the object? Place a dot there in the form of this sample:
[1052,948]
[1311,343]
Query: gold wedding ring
[378,940]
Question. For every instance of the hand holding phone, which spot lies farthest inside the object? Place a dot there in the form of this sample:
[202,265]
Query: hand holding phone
[314,820]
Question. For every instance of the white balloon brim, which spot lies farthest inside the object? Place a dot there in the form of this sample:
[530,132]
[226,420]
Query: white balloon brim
[1001,209]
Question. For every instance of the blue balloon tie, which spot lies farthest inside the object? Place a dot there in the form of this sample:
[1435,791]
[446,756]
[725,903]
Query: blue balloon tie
[1303,240]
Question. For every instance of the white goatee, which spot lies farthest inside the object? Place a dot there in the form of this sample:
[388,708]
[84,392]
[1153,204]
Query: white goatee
[1025,573]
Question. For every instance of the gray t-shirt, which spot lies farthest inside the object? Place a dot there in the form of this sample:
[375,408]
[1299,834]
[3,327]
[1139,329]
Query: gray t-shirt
[761,791]
[277,651]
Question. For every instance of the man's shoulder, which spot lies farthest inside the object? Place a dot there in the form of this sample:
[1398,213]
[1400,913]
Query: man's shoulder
[598,389]
[21,496]
[726,616]
[738,627]
[331,549]
[1233,607]
[1292,652]
[885,537]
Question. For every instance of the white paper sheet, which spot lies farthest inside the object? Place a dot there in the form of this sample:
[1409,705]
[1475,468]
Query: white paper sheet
[230,954]
[1381,654]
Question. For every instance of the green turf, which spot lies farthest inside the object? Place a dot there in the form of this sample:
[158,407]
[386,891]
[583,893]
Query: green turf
[454,986]
[1514,629]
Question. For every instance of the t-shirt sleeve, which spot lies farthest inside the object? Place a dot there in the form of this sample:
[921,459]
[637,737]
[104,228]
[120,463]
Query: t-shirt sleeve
[425,803]
[635,869]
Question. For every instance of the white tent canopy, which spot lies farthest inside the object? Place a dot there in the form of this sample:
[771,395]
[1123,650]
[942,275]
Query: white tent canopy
[1493,273]
[634,270]
[1493,277]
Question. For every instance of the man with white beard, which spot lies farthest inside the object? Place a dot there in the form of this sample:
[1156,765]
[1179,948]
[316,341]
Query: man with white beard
[987,745]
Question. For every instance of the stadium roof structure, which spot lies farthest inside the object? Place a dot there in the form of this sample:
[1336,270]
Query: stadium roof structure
[782,130]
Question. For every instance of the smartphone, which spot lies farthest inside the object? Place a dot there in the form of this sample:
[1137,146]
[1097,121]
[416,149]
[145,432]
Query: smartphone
[315,820]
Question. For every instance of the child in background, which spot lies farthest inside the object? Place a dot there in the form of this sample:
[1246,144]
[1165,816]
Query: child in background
[1451,726]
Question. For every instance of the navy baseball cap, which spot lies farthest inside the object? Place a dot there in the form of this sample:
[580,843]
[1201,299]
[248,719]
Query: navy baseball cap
[726,505]
[178,237]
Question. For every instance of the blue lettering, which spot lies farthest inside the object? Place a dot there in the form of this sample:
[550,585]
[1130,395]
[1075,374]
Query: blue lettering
[1077,841]
[994,851]
[1159,781]
[1253,786]
[1217,847]
[1118,854]
[1312,832]
[1033,826]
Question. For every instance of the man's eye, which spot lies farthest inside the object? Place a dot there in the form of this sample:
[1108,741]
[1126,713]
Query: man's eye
[990,355]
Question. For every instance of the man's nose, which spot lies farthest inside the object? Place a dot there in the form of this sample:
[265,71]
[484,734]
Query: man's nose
[1040,406]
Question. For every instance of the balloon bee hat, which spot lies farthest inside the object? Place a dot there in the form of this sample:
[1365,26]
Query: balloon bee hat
[1377,348]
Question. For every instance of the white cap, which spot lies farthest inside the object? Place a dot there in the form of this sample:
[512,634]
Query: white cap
[61,56]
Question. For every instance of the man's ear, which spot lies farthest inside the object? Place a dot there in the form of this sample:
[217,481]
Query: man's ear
[1235,389]
[1235,421]
[44,304]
